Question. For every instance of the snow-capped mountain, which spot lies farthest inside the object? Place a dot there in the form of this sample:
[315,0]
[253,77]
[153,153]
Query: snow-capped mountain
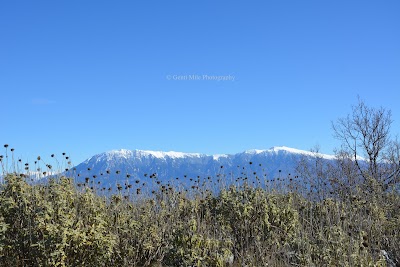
[116,165]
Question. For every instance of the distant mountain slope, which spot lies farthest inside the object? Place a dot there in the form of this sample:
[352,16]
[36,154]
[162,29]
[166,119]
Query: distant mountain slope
[114,166]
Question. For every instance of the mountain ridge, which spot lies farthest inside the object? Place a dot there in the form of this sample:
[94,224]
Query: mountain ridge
[112,166]
[174,154]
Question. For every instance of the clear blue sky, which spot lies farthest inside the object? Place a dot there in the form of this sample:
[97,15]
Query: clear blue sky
[89,76]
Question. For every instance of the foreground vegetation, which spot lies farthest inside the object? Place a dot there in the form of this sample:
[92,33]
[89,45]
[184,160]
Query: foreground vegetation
[58,225]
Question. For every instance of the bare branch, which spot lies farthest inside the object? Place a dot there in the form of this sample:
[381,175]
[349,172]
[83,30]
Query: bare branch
[366,130]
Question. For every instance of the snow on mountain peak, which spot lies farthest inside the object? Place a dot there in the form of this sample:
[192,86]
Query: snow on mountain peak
[125,153]
[298,151]
[128,154]
[168,164]
[170,154]
[277,149]
[218,156]
[254,151]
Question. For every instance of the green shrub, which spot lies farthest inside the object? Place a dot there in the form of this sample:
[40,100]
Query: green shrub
[55,224]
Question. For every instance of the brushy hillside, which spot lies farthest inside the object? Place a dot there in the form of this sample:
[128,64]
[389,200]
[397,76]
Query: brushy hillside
[59,224]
